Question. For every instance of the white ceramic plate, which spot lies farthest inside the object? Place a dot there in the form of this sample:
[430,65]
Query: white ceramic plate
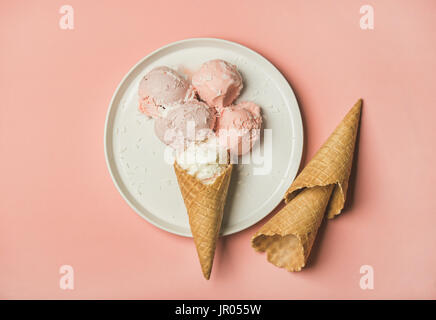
[135,156]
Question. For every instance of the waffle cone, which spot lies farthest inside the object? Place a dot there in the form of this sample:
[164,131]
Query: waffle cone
[320,188]
[288,237]
[205,207]
[332,163]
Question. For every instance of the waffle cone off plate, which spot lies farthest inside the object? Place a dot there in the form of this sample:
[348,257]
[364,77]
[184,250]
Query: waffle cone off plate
[205,206]
[321,187]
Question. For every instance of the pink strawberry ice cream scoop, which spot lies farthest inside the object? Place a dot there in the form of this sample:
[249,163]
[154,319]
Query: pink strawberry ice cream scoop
[238,127]
[218,83]
[160,88]
[191,121]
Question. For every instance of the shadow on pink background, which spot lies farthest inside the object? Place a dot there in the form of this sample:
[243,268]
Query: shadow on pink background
[58,205]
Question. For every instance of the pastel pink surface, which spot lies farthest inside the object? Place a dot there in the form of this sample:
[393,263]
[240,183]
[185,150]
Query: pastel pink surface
[60,207]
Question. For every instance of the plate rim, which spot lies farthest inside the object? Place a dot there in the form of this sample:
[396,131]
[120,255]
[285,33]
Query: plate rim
[299,131]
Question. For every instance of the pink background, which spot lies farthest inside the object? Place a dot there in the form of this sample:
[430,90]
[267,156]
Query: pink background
[59,206]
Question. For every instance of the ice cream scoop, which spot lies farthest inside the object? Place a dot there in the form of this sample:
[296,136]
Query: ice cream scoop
[218,83]
[191,121]
[204,160]
[238,127]
[160,88]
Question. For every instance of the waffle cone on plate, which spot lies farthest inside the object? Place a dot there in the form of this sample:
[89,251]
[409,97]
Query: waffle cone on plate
[320,188]
[205,206]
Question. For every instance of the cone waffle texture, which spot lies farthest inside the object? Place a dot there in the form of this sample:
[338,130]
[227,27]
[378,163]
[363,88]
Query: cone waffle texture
[332,163]
[288,237]
[205,207]
[321,187]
